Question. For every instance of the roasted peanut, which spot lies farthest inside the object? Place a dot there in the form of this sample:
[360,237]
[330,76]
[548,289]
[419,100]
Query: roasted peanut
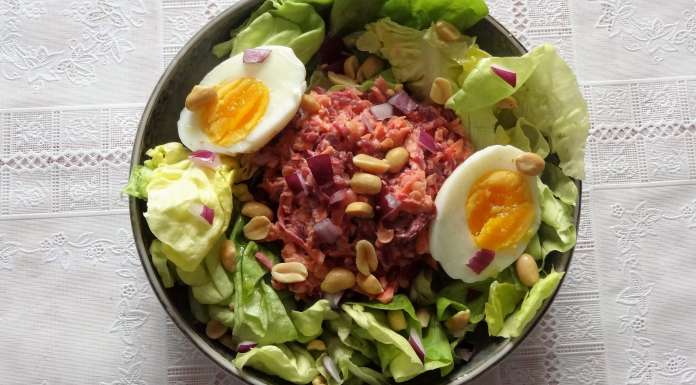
[527,270]
[385,235]
[241,192]
[341,80]
[397,158]
[257,228]
[319,380]
[396,319]
[229,342]
[365,257]
[446,31]
[363,183]
[360,210]
[228,255]
[370,164]
[338,279]
[257,209]
[423,316]
[350,66]
[199,97]
[369,284]
[215,329]
[369,68]
[310,104]
[441,90]
[529,164]
[508,103]
[289,272]
[457,323]
[317,345]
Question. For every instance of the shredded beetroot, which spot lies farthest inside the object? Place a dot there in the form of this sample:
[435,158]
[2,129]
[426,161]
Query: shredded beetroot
[343,127]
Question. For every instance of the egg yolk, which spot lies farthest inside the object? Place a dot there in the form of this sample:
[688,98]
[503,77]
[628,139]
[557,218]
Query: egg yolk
[239,107]
[499,209]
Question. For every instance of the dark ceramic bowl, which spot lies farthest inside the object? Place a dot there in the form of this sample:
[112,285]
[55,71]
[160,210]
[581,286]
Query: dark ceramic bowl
[159,125]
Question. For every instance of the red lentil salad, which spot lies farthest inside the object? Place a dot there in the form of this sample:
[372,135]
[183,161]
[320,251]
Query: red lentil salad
[359,188]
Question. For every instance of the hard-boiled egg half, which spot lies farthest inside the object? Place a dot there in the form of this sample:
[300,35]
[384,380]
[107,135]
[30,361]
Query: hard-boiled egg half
[241,104]
[487,211]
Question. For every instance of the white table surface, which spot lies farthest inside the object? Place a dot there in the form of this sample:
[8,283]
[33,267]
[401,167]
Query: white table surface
[75,307]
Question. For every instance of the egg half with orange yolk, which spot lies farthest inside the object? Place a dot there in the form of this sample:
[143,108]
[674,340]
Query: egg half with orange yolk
[485,204]
[245,104]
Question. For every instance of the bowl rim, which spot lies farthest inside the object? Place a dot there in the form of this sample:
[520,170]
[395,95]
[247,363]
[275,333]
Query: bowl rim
[501,352]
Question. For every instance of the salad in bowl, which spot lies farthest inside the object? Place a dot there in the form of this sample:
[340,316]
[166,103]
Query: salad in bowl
[359,191]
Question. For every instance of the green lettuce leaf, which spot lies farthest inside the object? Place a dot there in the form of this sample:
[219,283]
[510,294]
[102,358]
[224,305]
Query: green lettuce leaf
[534,249]
[562,186]
[352,336]
[218,285]
[557,229]
[159,260]
[350,363]
[503,298]
[259,314]
[394,351]
[399,302]
[291,23]
[552,101]
[164,154]
[198,310]
[438,352]
[351,15]
[524,136]
[222,314]
[172,190]
[459,296]
[137,182]
[417,57]
[548,99]
[543,289]
[291,362]
[421,291]
[421,13]
[308,322]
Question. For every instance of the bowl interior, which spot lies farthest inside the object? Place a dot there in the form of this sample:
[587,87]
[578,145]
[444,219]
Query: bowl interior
[159,125]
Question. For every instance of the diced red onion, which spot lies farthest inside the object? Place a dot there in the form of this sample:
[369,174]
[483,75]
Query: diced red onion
[427,142]
[334,299]
[367,122]
[326,231]
[403,102]
[320,165]
[388,204]
[245,346]
[202,211]
[480,261]
[509,76]
[337,196]
[296,183]
[382,111]
[205,158]
[255,55]
[416,343]
[264,260]
[330,367]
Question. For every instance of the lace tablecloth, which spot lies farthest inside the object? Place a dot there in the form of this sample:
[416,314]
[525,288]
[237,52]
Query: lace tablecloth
[76,308]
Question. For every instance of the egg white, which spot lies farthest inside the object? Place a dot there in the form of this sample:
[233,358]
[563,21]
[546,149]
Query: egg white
[451,241]
[284,75]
